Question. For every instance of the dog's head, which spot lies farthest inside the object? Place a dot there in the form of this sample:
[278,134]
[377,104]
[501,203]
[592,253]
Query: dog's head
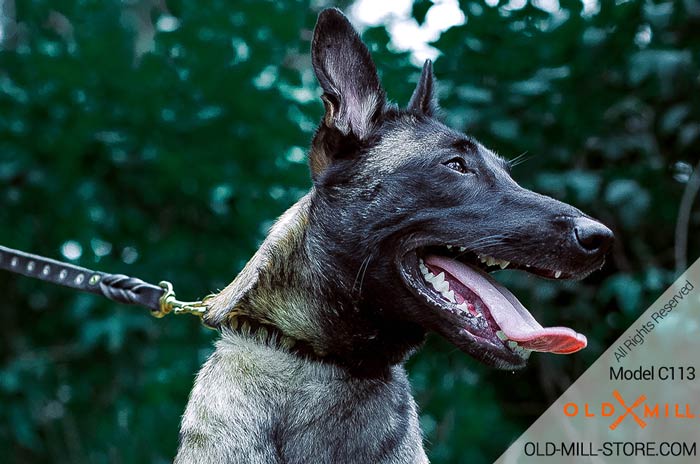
[413,215]
[405,222]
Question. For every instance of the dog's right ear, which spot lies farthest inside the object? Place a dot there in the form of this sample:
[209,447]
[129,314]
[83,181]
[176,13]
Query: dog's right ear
[423,100]
[352,95]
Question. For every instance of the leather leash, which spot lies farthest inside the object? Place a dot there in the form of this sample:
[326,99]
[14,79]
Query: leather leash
[160,299]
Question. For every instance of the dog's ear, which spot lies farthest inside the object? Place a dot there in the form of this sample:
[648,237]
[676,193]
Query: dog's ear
[352,95]
[423,100]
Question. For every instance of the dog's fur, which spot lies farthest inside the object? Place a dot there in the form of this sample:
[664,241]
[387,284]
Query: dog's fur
[317,325]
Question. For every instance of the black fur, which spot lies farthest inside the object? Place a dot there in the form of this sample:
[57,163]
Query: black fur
[383,193]
[339,273]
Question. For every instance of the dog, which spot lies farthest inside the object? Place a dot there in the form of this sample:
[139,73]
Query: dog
[396,238]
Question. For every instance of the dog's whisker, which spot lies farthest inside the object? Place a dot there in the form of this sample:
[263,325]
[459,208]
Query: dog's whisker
[520,159]
[364,272]
[361,274]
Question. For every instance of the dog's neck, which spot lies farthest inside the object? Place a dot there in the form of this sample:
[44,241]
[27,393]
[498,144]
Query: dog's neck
[290,286]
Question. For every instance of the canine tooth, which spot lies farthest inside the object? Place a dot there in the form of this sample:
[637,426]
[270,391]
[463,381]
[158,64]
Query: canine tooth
[504,264]
[442,287]
[501,335]
[557,274]
[439,283]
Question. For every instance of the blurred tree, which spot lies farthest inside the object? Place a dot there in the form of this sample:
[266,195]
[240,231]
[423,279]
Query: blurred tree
[160,139]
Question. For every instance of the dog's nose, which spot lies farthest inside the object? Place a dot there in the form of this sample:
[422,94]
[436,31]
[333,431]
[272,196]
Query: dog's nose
[592,236]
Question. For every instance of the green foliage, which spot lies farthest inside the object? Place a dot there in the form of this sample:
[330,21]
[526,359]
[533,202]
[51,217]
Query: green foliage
[165,153]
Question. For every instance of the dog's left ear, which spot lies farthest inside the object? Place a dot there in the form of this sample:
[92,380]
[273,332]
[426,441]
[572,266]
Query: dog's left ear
[352,94]
[423,100]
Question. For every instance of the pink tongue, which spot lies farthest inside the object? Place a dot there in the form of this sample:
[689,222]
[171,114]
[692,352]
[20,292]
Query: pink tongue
[510,315]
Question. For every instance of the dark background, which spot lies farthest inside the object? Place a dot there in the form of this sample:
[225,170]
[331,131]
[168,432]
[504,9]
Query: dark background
[163,147]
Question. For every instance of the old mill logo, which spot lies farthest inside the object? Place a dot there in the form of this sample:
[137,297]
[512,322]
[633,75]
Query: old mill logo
[638,411]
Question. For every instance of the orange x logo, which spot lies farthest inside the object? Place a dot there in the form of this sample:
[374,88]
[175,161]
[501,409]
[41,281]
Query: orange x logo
[628,410]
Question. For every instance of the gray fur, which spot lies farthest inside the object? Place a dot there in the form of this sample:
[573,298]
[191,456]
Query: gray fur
[257,402]
[253,403]
[317,326]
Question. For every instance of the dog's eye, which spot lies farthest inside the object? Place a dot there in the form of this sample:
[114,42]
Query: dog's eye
[457,164]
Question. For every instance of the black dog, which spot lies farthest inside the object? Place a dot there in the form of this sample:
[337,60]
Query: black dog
[405,220]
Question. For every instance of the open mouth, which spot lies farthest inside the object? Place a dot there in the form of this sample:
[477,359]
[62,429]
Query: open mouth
[477,313]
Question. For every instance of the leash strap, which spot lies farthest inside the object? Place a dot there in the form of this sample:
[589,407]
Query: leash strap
[160,299]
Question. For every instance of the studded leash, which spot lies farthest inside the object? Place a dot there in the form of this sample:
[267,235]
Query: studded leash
[160,299]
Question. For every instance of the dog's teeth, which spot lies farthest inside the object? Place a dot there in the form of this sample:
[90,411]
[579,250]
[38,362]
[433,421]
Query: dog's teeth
[504,264]
[465,310]
[527,265]
[491,261]
[522,352]
[449,247]
[468,309]
[512,344]
[439,283]
[450,295]
[557,274]
[423,269]
[462,248]
[442,287]
[501,335]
